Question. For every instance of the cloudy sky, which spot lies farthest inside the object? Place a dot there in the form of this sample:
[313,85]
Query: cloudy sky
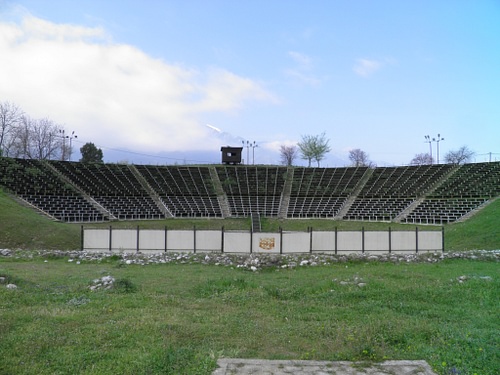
[148,76]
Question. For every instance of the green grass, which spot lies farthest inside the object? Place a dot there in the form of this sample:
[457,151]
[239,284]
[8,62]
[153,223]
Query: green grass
[479,232]
[178,319]
[21,227]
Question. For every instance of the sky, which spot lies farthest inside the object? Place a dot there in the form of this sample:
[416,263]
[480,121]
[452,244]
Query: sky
[172,81]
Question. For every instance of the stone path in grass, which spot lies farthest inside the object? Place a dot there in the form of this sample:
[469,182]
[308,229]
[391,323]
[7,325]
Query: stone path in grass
[231,366]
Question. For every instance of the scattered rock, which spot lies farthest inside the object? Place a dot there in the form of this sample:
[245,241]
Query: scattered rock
[461,279]
[105,282]
[11,286]
[253,262]
[3,279]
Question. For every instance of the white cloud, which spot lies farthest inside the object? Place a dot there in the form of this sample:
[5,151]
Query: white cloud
[302,71]
[304,61]
[365,67]
[113,94]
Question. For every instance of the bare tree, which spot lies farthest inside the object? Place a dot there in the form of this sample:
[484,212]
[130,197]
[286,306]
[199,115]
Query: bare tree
[36,139]
[461,156]
[359,158]
[314,147]
[19,141]
[10,117]
[422,159]
[288,154]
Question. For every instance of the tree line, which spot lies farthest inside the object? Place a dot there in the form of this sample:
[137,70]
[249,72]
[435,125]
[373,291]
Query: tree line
[22,136]
[315,147]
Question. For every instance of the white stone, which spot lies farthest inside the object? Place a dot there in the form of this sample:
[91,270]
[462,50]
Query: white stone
[11,286]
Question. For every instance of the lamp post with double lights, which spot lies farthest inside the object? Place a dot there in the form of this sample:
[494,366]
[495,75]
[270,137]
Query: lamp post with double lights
[248,149]
[437,140]
[429,141]
[253,145]
[70,137]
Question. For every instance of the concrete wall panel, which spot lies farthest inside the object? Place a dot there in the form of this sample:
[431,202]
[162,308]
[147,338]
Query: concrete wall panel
[96,240]
[180,240]
[377,241]
[237,242]
[430,241]
[323,241]
[349,241]
[403,241]
[208,240]
[151,240]
[297,242]
[124,239]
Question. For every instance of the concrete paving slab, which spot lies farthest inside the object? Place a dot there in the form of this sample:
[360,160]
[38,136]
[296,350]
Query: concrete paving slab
[238,366]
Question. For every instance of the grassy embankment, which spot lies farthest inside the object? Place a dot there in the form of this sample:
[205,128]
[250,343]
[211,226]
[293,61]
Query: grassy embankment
[21,227]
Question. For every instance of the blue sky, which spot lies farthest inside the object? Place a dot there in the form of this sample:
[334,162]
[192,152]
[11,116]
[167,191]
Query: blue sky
[148,76]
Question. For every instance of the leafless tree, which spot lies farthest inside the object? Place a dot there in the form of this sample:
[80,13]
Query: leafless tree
[10,118]
[288,154]
[422,159]
[20,139]
[36,139]
[360,158]
[461,156]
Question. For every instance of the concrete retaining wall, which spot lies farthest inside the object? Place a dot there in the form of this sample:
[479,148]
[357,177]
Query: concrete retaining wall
[338,242]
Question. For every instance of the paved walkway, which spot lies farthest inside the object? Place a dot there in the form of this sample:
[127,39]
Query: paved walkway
[228,366]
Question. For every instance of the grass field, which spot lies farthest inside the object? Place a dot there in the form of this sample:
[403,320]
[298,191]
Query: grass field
[178,319]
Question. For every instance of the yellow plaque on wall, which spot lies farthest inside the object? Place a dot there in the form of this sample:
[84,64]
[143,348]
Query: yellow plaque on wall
[267,243]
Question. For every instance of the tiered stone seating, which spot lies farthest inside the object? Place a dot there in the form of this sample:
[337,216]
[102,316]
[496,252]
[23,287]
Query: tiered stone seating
[391,190]
[38,185]
[377,209]
[468,188]
[434,194]
[321,192]
[186,191]
[113,186]
[252,189]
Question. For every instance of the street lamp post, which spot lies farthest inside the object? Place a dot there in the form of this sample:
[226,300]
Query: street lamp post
[429,141]
[439,139]
[73,135]
[254,144]
[64,137]
[248,149]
